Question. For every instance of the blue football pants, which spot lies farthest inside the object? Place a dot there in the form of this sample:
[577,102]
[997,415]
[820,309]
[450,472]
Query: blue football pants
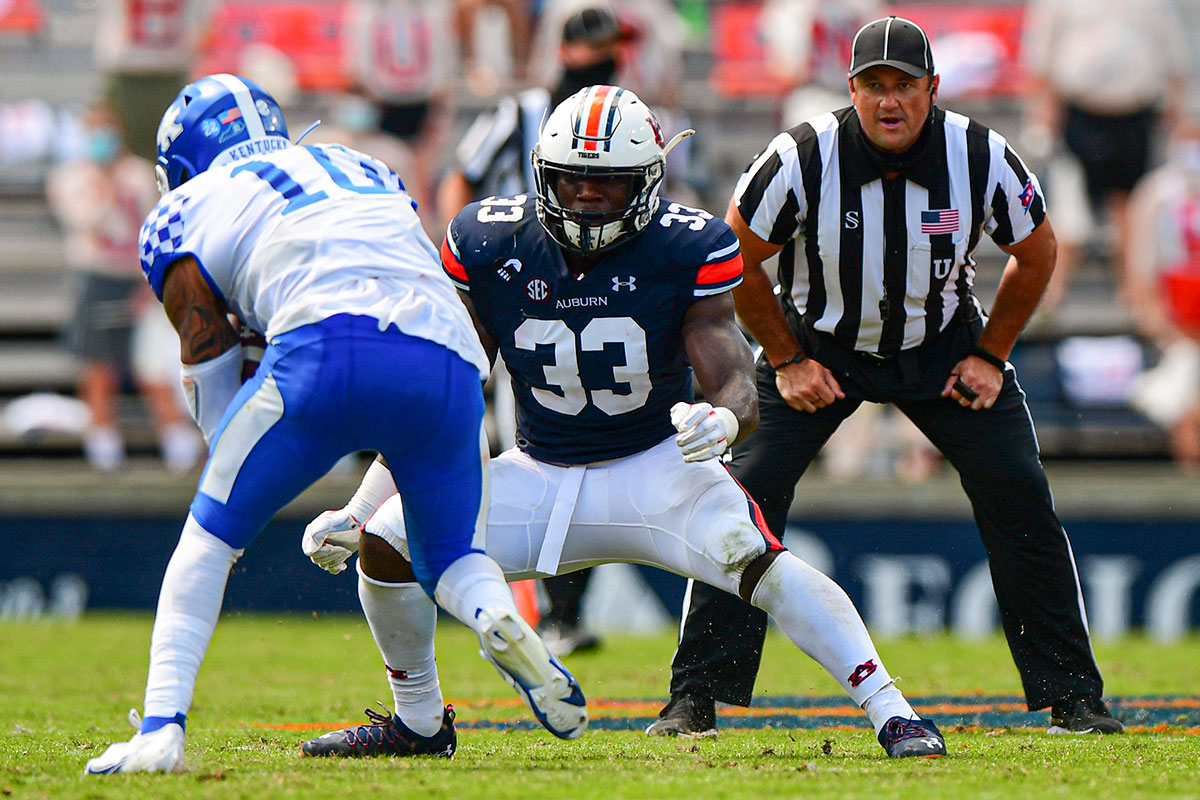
[337,387]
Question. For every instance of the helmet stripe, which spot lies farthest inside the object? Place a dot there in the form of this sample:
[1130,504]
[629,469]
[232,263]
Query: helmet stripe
[599,99]
[612,119]
[576,131]
[245,103]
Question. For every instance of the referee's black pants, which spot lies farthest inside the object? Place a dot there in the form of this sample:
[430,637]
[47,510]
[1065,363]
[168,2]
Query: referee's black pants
[996,455]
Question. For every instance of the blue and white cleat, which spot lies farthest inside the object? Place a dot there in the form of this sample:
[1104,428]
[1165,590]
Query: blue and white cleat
[157,751]
[524,661]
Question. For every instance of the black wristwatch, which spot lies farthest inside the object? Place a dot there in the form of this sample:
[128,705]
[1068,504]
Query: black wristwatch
[796,359]
[988,356]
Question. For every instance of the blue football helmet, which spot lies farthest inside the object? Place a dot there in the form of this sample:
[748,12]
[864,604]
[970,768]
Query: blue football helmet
[216,120]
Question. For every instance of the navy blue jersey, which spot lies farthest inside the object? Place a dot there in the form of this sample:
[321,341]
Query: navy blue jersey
[598,361]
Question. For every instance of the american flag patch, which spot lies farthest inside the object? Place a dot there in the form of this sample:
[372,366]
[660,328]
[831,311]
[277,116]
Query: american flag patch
[1026,195]
[941,221]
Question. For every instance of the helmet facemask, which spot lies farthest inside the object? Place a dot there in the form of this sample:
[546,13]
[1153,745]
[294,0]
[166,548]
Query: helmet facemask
[599,132]
[592,231]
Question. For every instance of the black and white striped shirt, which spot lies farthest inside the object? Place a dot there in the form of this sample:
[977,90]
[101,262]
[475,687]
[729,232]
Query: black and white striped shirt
[884,265]
[494,152]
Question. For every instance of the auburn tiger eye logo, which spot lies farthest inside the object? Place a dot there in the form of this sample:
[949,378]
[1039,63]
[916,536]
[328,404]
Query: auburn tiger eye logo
[658,134]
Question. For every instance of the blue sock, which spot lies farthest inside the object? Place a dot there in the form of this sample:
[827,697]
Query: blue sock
[151,724]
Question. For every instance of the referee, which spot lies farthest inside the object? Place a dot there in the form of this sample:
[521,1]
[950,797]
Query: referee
[875,211]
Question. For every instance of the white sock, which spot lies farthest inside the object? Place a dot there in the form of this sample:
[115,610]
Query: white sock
[471,583]
[817,615]
[403,619]
[888,702]
[188,606]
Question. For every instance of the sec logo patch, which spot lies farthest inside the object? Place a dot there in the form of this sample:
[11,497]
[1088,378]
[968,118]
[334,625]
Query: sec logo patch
[537,290]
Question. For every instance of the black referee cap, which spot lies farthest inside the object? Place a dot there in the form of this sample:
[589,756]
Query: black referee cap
[892,42]
[596,25]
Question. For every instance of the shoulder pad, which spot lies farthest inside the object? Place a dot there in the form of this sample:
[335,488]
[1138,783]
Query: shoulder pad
[692,234]
[486,226]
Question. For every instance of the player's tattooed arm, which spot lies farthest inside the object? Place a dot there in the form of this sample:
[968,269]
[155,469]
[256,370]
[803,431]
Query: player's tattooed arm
[721,358]
[198,315]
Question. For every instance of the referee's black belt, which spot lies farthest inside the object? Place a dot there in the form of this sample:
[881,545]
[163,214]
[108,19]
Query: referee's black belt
[875,358]
[905,363]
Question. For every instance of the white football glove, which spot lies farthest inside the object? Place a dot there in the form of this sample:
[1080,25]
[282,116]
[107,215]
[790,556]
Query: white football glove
[704,432]
[330,540]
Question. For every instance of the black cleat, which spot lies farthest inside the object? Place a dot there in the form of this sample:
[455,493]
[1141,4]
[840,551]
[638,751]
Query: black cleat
[385,735]
[907,738]
[688,715]
[1083,715]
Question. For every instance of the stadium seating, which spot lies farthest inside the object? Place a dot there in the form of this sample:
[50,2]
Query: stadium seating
[53,63]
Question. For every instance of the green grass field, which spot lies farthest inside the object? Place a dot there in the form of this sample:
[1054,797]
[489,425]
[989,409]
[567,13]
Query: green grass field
[67,686]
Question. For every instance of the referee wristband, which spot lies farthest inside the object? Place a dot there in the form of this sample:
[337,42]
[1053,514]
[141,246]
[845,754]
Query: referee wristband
[988,356]
[796,359]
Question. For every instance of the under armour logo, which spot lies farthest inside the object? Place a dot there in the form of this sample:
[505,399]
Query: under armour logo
[862,672]
[629,284]
[509,267]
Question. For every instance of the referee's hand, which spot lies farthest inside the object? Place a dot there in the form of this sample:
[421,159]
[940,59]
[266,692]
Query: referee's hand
[808,385]
[981,380]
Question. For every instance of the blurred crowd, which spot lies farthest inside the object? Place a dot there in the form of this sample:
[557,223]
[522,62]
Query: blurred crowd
[1106,125]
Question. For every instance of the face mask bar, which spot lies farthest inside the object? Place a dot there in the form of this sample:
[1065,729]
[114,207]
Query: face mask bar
[588,231]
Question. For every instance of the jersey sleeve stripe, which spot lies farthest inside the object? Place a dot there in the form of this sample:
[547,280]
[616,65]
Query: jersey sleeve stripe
[723,252]
[449,241]
[719,277]
[454,268]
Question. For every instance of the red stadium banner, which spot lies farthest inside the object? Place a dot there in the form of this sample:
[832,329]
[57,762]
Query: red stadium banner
[1181,289]
[976,47]
[21,17]
[309,33]
[739,59]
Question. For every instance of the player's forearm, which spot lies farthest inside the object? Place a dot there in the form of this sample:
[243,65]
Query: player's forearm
[740,396]
[721,359]
[201,321]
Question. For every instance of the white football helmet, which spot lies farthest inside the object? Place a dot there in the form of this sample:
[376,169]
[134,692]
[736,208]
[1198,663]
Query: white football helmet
[600,131]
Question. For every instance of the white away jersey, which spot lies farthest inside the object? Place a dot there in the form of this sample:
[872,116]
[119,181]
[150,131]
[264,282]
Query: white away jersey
[294,236]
